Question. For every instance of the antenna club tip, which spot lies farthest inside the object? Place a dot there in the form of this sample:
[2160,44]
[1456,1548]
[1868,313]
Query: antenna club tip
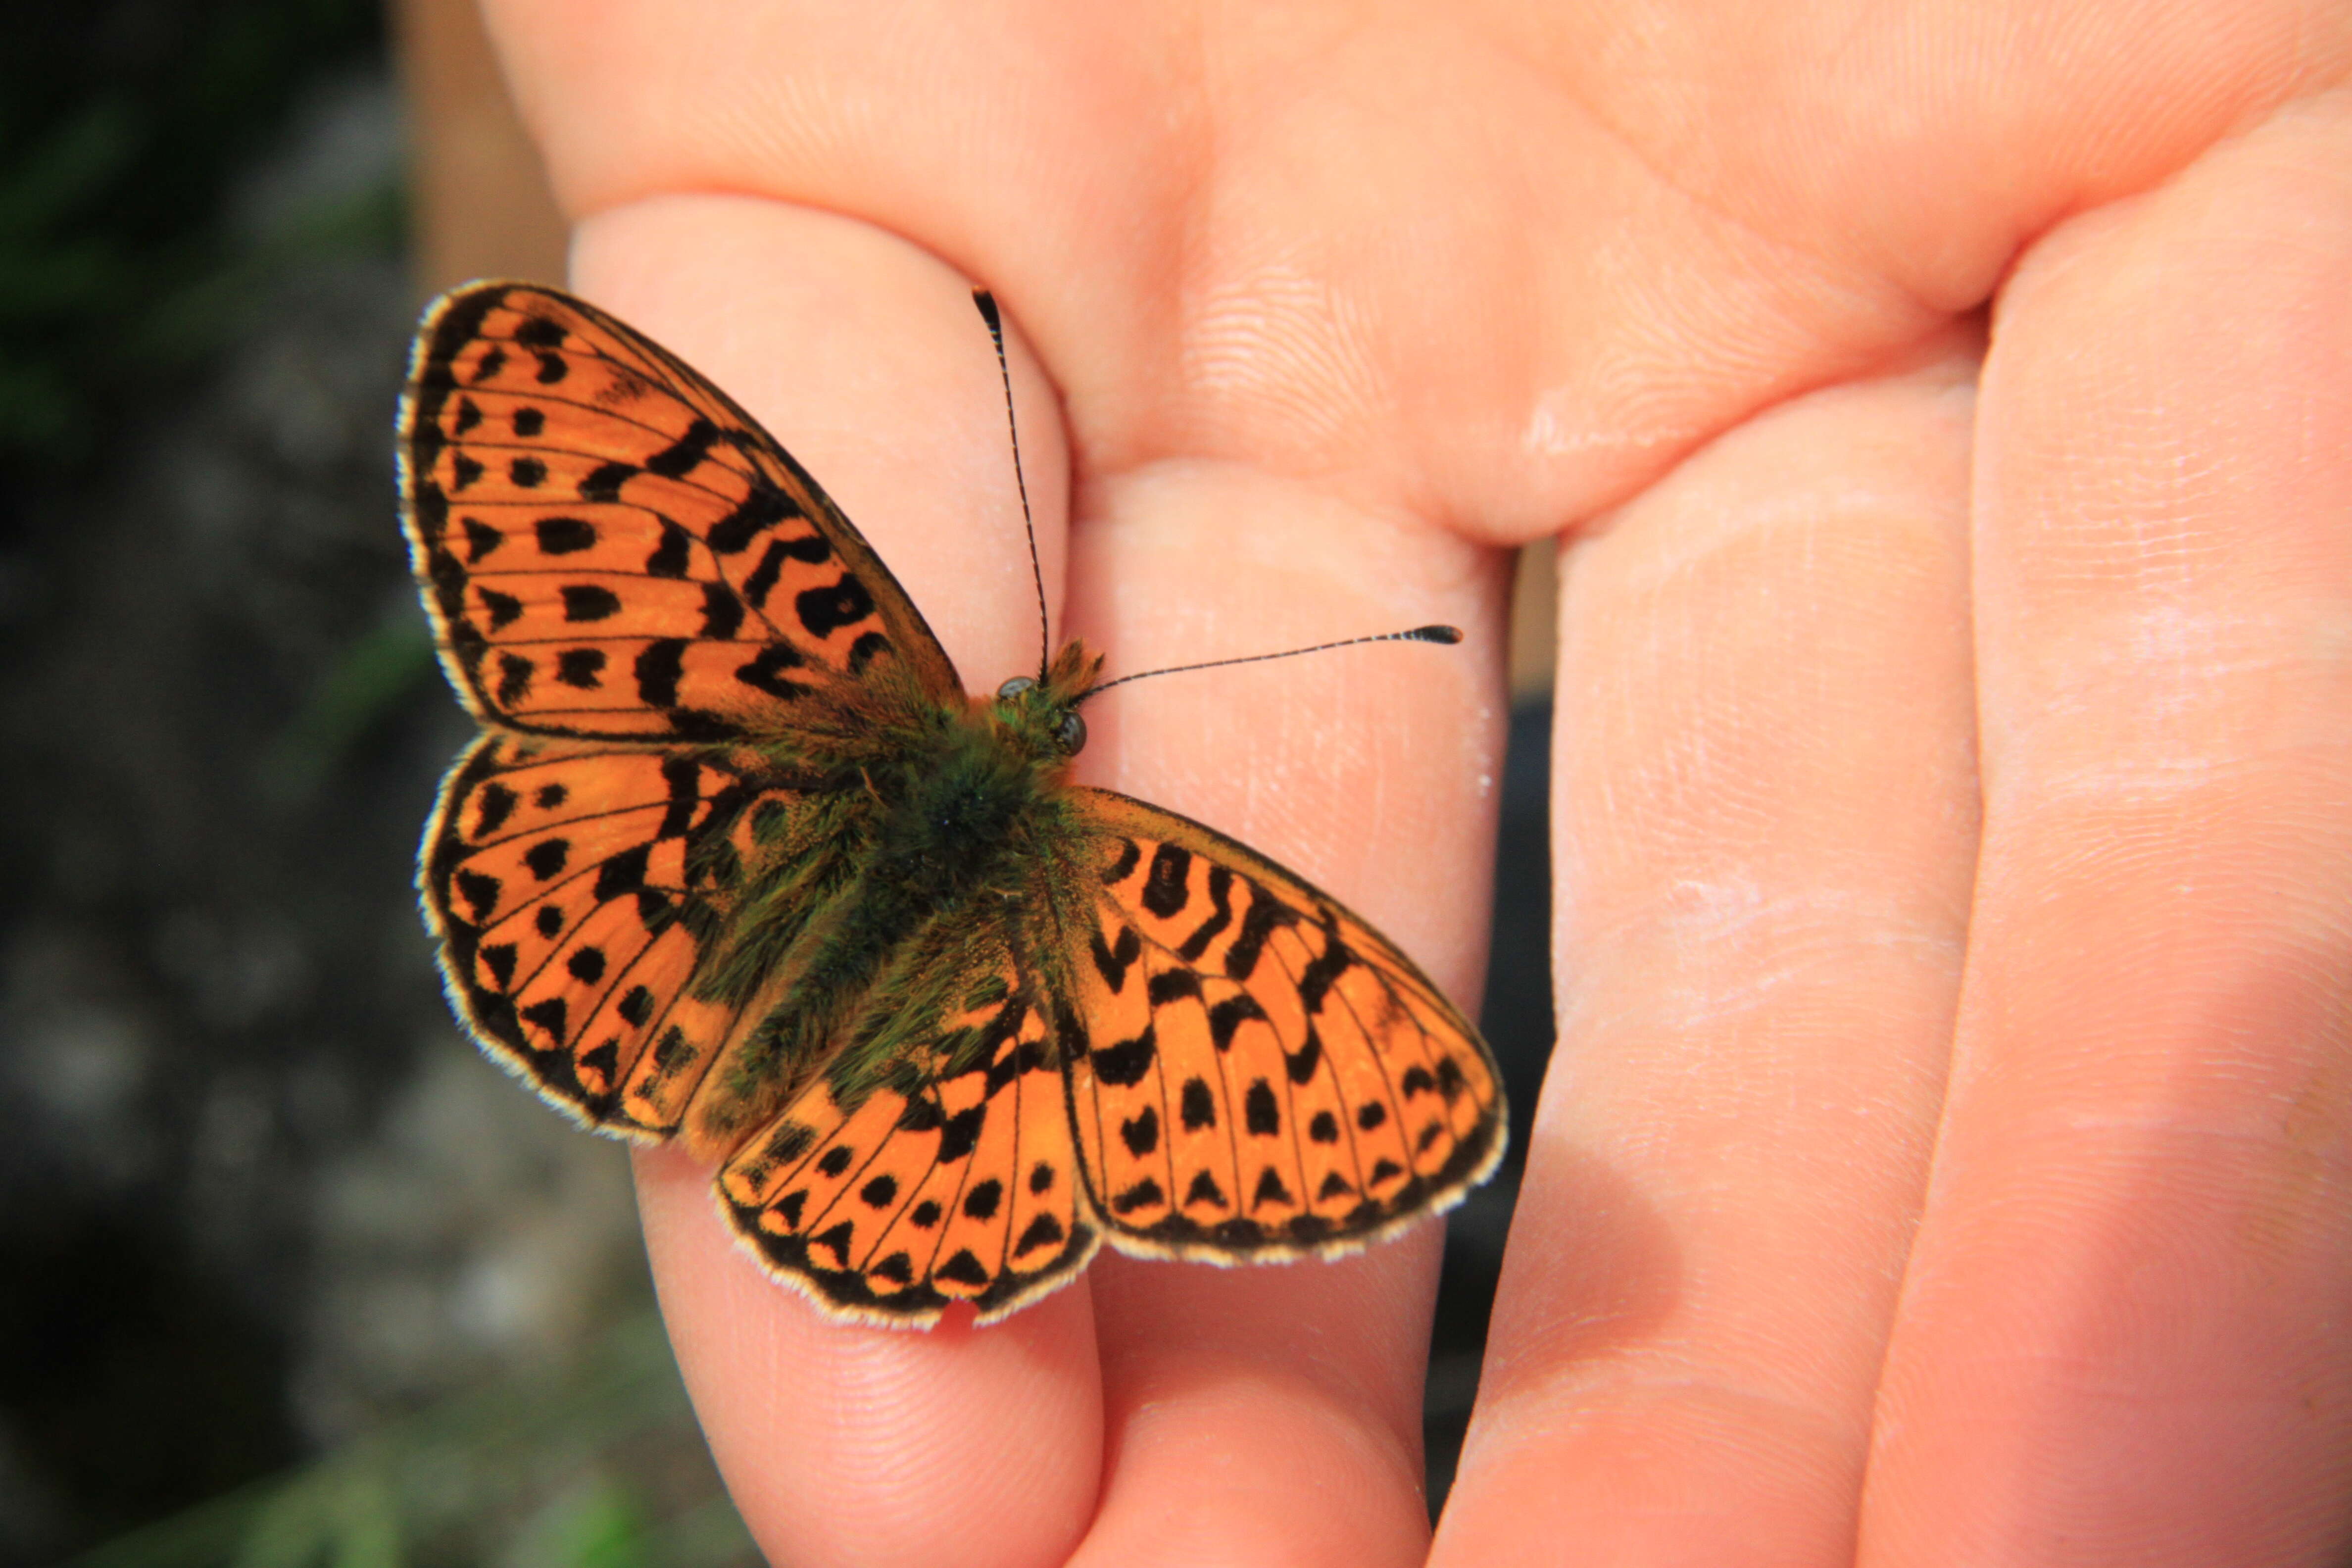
[1435,634]
[986,302]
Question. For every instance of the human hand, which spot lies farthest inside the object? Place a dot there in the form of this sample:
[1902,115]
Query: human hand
[1945,1147]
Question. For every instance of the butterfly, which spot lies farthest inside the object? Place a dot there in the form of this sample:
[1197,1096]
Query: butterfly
[737,861]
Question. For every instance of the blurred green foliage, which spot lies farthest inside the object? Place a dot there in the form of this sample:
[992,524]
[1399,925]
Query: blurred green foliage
[598,1466]
[124,125]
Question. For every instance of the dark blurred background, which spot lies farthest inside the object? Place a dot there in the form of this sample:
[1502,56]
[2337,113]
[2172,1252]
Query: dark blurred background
[292,1274]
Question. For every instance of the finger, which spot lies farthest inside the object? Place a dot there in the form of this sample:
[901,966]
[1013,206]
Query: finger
[1763,800]
[2123,1327]
[849,1445]
[1272,1413]
[844,1444]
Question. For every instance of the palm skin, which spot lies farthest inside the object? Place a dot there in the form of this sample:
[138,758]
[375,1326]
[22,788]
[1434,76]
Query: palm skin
[1946,1155]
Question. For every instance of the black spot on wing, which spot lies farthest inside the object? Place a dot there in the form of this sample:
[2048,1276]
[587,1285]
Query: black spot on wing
[493,804]
[1124,1063]
[1451,1083]
[1300,1065]
[1140,1132]
[480,540]
[1111,962]
[765,672]
[1229,1014]
[1221,903]
[600,1064]
[1145,1193]
[658,669]
[1260,1113]
[504,609]
[673,555]
[825,611]
[481,893]
[963,1268]
[1171,986]
[588,602]
[1163,886]
[682,456]
[564,535]
[549,1014]
[581,668]
[1263,919]
[762,509]
[1322,970]
[603,481]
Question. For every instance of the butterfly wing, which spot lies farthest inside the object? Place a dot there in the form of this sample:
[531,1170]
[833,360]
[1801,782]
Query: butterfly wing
[1264,1075]
[946,1174]
[576,887]
[611,547]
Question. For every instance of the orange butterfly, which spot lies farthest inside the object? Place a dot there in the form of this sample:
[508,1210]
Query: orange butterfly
[736,859]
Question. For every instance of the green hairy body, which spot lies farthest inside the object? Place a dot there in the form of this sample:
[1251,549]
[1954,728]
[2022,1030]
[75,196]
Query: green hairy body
[862,916]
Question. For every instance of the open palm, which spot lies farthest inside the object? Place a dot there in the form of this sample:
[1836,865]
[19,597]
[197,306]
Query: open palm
[1945,411]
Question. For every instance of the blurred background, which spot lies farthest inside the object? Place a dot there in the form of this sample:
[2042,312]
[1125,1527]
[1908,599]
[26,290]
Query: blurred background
[292,1274]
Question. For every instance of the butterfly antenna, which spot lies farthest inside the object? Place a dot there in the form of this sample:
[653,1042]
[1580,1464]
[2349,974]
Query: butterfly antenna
[1417,634]
[988,313]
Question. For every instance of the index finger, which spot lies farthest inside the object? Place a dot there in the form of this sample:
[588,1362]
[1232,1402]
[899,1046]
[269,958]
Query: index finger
[843,1443]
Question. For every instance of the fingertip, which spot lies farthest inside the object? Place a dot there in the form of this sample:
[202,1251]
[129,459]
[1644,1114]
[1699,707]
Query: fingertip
[844,1443]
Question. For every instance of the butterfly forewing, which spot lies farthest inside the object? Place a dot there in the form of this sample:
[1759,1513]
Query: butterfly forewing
[1266,1074]
[611,548]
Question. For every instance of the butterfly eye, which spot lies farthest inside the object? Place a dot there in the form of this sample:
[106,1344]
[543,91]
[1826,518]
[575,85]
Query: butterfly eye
[1015,687]
[1072,735]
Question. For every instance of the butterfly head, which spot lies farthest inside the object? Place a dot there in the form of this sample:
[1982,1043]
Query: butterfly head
[1043,715]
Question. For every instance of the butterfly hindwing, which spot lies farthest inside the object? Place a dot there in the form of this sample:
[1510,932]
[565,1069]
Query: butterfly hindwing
[1266,1075]
[576,887]
[953,1179]
[610,547]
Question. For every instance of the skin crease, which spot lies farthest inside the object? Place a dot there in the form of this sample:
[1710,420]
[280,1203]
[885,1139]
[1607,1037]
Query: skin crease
[1944,412]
